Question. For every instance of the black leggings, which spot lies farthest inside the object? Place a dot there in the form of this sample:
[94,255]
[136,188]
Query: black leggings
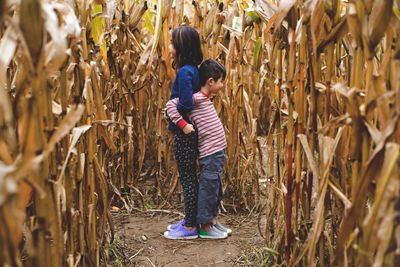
[186,153]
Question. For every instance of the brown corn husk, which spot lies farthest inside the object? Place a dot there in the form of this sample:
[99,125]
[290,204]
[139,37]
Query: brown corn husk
[310,110]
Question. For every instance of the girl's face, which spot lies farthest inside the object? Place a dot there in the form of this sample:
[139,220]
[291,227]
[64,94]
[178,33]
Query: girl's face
[172,51]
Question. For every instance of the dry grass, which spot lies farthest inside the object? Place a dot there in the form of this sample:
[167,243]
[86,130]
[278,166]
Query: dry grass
[83,85]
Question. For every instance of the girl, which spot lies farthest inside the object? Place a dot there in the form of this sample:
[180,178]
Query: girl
[185,50]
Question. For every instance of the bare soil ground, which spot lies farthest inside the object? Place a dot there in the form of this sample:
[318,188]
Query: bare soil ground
[140,237]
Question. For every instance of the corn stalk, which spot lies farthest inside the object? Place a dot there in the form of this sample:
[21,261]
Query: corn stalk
[83,85]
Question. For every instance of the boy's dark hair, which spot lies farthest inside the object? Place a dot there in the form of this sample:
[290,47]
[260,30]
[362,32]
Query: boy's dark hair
[186,41]
[211,69]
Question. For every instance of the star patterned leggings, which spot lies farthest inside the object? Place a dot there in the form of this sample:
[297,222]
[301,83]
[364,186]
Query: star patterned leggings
[186,153]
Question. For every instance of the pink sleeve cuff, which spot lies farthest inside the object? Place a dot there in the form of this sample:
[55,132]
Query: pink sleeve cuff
[181,123]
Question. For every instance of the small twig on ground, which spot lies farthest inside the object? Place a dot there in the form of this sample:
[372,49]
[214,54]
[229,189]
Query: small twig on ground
[165,211]
[209,264]
[178,247]
[223,207]
[233,207]
[152,264]
[245,219]
[137,253]
[254,209]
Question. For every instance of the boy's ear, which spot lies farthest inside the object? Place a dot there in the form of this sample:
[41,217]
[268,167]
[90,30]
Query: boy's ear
[210,80]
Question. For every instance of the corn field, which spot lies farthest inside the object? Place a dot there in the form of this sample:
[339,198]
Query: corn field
[311,112]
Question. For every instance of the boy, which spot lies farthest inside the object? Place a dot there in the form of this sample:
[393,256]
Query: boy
[211,145]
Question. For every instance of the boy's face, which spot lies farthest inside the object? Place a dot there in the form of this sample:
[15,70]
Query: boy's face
[216,86]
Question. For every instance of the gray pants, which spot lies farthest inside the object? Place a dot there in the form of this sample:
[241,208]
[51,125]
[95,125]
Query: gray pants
[210,187]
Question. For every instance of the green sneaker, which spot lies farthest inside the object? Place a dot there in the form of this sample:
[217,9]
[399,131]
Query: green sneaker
[212,233]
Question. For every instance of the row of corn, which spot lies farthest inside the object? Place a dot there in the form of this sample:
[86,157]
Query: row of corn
[311,112]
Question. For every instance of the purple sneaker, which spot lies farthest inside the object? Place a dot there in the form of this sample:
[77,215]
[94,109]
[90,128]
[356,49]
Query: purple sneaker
[181,233]
[176,225]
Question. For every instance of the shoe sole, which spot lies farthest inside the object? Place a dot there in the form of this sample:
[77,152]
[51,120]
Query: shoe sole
[179,237]
[213,237]
[227,232]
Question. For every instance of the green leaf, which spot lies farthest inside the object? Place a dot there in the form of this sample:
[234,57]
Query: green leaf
[147,22]
[396,10]
[160,7]
[256,53]
[253,14]
[97,29]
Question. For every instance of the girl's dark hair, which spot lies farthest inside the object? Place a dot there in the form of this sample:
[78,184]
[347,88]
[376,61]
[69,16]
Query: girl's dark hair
[186,42]
[211,69]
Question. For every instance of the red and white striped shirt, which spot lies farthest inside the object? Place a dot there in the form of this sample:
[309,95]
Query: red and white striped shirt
[205,119]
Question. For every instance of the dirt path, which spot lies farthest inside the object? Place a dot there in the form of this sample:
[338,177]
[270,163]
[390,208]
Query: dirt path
[141,236]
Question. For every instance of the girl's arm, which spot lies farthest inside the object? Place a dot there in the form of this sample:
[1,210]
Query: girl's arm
[185,89]
[173,113]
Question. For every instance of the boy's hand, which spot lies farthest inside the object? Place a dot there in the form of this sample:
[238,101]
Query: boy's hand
[188,129]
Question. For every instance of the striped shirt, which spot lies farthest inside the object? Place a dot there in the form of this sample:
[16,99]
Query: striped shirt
[205,119]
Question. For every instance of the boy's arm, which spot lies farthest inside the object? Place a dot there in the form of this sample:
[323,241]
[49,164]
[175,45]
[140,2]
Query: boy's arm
[173,113]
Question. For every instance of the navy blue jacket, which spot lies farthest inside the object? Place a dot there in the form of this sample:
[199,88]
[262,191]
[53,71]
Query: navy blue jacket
[187,82]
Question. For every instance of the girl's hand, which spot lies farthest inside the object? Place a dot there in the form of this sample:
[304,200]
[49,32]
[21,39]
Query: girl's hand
[188,129]
[164,113]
